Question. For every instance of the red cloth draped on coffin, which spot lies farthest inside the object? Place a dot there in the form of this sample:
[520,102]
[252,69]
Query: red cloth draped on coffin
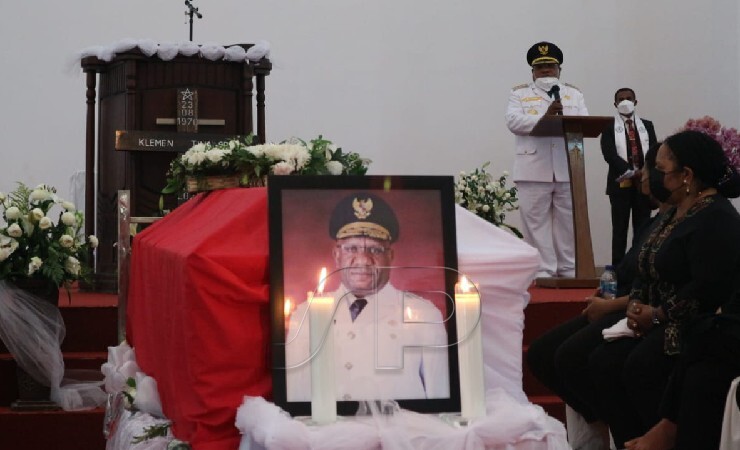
[198,311]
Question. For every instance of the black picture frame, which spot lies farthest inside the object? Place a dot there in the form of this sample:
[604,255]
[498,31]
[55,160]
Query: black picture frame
[299,212]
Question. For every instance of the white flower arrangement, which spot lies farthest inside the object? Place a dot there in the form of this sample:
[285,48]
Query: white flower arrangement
[254,162]
[487,197]
[32,246]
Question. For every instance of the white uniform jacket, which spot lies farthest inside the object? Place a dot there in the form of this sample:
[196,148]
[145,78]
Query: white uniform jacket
[413,373]
[539,158]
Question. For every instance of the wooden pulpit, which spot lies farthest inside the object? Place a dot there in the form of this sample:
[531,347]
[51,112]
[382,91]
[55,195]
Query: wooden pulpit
[574,129]
[163,108]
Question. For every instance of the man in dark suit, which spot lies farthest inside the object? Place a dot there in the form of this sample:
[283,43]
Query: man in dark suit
[624,145]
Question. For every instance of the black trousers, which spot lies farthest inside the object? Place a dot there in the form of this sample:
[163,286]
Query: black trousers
[625,203]
[559,360]
[696,393]
[630,376]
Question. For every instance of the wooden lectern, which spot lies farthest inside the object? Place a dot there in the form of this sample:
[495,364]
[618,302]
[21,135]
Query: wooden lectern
[188,97]
[574,129]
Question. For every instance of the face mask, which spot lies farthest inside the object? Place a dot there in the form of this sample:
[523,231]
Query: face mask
[626,107]
[545,83]
[657,188]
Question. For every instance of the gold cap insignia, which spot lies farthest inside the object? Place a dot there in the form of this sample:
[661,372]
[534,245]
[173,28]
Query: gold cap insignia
[362,208]
[543,49]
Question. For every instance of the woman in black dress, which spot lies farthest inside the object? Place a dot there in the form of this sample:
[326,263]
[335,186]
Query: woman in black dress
[686,268]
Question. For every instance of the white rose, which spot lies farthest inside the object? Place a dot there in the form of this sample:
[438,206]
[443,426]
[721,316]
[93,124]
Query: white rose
[4,253]
[8,243]
[15,231]
[37,214]
[506,173]
[282,168]
[334,167]
[128,403]
[215,155]
[34,265]
[93,241]
[45,223]
[72,265]
[233,144]
[68,206]
[486,208]
[40,194]
[69,219]
[198,147]
[66,241]
[27,225]
[2,197]
[12,213]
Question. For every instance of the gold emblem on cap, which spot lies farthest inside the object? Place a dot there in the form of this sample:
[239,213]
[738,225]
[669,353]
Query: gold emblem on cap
[543,49]
[362,208]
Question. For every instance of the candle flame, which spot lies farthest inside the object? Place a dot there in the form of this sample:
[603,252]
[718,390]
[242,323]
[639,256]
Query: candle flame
[287,306]
[322,280]
[465,285]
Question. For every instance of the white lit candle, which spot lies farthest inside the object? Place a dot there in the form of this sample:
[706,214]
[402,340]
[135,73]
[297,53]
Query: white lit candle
[288,307]
[323,395]
[469,350]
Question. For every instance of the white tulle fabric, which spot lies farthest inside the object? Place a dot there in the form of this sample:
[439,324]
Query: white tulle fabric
[503,266]
[121,366]
[33,330]
[509,424]
[167,51]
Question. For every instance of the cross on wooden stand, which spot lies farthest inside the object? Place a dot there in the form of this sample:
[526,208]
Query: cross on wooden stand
[186,136]
[133,134]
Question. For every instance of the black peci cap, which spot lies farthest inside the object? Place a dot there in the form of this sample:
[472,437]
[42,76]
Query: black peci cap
[363,214]
[544,53]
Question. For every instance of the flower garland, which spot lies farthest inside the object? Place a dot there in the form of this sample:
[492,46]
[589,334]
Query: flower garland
[254,162]
[487,197]
[728,138]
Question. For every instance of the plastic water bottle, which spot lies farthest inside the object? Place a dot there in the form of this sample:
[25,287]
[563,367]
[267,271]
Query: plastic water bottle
[608,283]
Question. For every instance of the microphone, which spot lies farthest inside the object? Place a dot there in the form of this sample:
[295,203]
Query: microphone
[554,92]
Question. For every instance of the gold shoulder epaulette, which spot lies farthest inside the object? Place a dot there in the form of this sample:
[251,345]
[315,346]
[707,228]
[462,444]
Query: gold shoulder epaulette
[519,86]
[574,87]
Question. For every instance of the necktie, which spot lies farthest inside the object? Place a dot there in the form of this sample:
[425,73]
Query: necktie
[356,307]
[634,149]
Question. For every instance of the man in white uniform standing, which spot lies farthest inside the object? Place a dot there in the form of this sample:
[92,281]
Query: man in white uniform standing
[541,163]
[388,343]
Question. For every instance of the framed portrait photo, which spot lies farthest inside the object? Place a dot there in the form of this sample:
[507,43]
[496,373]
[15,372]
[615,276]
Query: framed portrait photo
[363,272]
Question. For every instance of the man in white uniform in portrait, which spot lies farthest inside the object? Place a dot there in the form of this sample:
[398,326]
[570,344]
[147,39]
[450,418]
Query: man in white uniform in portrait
[388,343]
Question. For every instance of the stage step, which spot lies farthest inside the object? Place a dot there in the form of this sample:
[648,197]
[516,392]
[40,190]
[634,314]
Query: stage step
[57,430]
[548,308]
[89,362]
[88,327]
[90,320]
